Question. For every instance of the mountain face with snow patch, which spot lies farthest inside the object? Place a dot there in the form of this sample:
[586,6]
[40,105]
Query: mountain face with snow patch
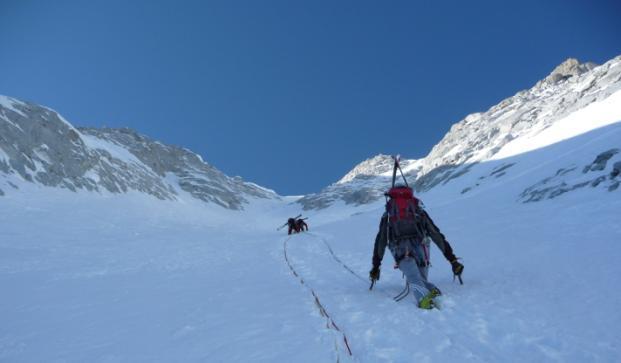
[503,133]
[38,146]
[360,186]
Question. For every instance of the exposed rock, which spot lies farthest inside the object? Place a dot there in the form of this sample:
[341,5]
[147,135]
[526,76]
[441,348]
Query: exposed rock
[434,177]
[41,147]
[600,161]
[598,180]
[371,167]
[568,179]
[357,192]
[480,136]
[501,169]
[194,176]
[569,68]
[616,170]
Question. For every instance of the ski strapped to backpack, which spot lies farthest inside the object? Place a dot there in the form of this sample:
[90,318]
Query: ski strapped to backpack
[396,166]
[401,208]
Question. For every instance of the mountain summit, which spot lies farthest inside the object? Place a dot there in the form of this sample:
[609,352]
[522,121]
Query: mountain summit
[569,68]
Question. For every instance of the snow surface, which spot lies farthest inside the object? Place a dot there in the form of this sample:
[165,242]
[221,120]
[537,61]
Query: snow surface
[130,278]
[593,116]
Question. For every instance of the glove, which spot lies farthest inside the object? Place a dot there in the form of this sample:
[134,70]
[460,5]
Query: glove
[374,274]
[458,268]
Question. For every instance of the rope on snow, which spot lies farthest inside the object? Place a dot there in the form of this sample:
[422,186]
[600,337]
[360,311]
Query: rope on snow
[330,324]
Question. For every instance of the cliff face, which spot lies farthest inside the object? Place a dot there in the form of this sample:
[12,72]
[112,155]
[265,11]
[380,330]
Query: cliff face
[479,137]
[38,146]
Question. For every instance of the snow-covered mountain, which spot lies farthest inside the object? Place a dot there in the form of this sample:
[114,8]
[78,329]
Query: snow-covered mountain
[503,133]
[527,193]
[38,146]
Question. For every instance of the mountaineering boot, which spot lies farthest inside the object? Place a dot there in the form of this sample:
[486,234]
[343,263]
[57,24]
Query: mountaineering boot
[435,292]
[427,301]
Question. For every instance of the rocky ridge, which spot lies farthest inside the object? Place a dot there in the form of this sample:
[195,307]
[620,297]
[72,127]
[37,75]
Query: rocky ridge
[478,137]
[38,146]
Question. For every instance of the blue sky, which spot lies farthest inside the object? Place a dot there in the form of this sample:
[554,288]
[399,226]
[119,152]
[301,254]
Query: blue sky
[291,94]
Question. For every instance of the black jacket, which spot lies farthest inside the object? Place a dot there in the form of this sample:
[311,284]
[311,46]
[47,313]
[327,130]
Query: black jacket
[428,227]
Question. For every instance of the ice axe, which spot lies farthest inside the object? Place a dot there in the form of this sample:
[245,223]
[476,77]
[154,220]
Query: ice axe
[461,282]
[458,273]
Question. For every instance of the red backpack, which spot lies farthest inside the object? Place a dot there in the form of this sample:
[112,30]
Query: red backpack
[402,203]
[401,208]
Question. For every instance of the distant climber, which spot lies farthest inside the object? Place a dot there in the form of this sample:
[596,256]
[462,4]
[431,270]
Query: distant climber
[406,228]
[302,226]
[295,224]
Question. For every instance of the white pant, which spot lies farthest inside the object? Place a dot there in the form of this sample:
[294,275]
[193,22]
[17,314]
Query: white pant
[412,259]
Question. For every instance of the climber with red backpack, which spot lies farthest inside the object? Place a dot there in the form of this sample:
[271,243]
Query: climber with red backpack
[406,229]
[295,224]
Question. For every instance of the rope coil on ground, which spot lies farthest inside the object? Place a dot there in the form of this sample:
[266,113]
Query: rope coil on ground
[330,324]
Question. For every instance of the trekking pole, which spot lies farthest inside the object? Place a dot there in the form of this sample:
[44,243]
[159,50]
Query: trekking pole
[403,176]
